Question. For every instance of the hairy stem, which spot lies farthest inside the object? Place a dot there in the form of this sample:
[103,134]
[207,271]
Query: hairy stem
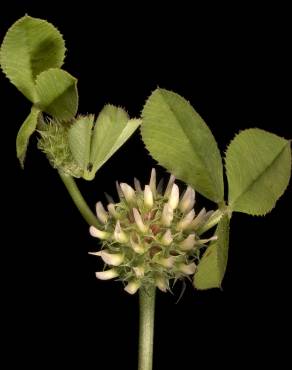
[147,309]
[78,199]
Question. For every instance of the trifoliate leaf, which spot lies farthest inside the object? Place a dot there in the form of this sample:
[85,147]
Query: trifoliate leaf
[24,133]
[178,138]
[57,93]
[258,166]
[211,269]
[30,47]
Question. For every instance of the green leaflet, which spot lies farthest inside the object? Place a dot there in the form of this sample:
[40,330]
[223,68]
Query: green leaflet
[92,148]
[112,129]
[178,138]
[258,166]
[80,140]
[30,47]
[211,269]
[24,133]
[57,93]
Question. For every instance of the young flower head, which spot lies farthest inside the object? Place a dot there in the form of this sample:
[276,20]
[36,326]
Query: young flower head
[151,237]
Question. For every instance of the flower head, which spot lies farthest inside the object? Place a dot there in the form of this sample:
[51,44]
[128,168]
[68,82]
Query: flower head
[151,237]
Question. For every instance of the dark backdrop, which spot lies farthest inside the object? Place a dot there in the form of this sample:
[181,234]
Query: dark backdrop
[232,64]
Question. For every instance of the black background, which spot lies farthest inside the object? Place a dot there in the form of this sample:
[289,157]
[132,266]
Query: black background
[231,63]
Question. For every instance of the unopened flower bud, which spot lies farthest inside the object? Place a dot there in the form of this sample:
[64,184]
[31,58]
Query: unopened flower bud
[167,238]
[109,198]
[188,200]
[112,210]
[161,284]
[132,286]
[167,262]
[119,235]
[169,186]
[205,241]
[199,219]
[128,192]
[187,269]
[119,191]
[148,197]
[213,220]
[139,222]
[167,215]
[137,185]
[137,247]
[114,259]
[174,197]
[186,221]
[139,271]
[152,182]
[160,186]
[103,235]
[101,213]
[107,274]
[189,243]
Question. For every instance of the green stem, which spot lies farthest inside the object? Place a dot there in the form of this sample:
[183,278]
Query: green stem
[78,199]
[147,309]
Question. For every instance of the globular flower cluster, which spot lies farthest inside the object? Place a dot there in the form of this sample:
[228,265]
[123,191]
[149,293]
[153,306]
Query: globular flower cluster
[150,237]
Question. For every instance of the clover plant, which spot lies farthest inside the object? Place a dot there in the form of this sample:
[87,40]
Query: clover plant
[154,236]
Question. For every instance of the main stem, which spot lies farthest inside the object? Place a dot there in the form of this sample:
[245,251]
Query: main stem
[147,309]
[78,199]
